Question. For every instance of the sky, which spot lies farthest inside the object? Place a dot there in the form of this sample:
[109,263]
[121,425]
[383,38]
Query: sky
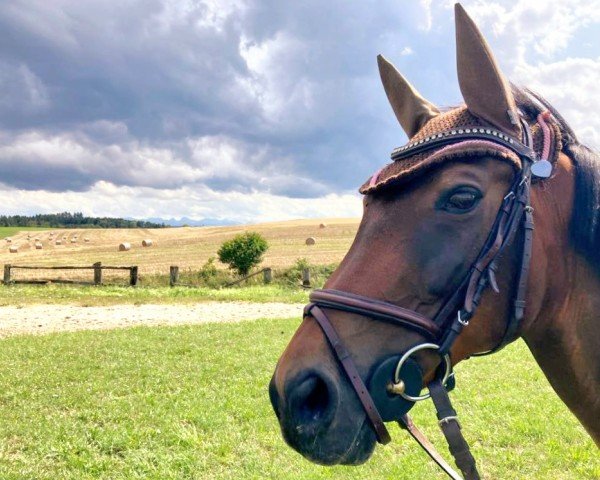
[247,110]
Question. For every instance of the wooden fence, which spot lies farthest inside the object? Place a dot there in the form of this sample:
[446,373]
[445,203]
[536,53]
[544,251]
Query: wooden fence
[96,267]
[133,275]
[174,277]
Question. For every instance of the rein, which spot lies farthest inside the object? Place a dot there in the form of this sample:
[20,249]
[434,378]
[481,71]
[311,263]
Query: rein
[395,384]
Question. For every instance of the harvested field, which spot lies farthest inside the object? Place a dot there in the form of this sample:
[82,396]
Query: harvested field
[187,247]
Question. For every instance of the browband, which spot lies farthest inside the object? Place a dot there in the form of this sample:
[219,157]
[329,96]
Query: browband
[456,135]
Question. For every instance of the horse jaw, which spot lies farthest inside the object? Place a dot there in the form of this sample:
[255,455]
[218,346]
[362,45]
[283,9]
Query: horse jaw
[562,330]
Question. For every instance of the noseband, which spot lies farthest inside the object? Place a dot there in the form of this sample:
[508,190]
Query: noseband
[396,383]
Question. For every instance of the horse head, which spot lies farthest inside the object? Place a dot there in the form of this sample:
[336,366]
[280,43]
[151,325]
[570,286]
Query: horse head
[428,248]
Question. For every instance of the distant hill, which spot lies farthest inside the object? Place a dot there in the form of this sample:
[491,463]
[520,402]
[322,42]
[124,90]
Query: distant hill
[74,220]
[191,222]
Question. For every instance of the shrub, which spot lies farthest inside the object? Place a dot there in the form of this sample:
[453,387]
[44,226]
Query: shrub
[208,271]
[243,252]
[319,273]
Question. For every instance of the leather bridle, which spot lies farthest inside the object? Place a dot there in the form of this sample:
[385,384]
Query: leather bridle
[395,384]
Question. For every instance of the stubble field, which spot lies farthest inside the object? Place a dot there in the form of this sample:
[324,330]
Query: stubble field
[186,247]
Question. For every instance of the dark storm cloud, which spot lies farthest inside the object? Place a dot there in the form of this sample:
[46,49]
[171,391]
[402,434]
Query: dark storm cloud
[262,95]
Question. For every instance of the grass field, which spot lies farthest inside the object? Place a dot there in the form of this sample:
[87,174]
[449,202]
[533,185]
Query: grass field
[192,403]
[189,248]
[112,295]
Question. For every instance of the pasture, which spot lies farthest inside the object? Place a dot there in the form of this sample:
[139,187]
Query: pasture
[191,402]
[187,247]
[20,295]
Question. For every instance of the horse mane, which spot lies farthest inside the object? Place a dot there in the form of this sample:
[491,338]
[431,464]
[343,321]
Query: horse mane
[584,228]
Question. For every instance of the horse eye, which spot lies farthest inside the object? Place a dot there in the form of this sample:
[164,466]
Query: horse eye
[462,201]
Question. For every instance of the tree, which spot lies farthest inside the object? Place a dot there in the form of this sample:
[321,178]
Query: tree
[243,252]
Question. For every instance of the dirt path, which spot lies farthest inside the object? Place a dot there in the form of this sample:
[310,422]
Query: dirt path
[42,319]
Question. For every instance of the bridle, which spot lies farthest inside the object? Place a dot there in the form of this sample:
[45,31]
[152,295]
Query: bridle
[396,383]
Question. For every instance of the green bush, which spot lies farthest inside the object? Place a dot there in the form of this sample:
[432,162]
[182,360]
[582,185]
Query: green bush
[318,273]
[243,252]
[208,271]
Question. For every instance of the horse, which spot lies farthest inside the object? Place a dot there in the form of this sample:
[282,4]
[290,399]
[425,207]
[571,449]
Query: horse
[485,228]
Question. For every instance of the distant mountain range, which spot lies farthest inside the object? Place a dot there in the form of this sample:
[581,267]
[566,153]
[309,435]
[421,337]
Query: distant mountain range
[191,222]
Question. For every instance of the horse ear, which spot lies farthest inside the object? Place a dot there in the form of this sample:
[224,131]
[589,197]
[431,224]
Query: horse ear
[485,90]
[411,109]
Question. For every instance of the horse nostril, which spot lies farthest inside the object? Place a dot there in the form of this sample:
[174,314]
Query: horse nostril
[313,402]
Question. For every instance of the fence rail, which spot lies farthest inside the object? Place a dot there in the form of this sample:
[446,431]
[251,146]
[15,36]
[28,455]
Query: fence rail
[96,267]
[133,275]
[174,277]
[263,271]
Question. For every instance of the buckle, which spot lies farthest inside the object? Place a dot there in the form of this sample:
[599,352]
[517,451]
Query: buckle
[449,419]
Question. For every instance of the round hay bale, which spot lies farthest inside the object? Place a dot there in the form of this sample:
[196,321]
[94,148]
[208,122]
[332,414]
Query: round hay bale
[323,225]
[38,246]
[310,241]
[124,247]
[8,240]
[58,242]
[73,240]
[86,240]
[146,242]
[14,249]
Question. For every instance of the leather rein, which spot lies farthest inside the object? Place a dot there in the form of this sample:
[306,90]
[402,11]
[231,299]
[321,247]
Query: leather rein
[441,332]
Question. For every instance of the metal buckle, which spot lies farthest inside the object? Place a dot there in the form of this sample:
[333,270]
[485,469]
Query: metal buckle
[464,323]
[509,195]
[408,353]
[523,181]
[448,419]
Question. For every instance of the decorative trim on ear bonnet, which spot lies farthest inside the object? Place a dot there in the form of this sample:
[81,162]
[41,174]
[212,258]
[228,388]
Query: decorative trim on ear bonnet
[546,143]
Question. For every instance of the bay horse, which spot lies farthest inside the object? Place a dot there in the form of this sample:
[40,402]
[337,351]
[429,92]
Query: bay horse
[485,228]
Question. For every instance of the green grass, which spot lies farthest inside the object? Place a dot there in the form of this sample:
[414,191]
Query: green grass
[191,403]
[8,231]
[111,295]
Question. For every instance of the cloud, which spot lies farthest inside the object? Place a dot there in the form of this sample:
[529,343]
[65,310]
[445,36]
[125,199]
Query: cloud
[530,38]
[522,30]
[266,101]
[78,161]
[568,84]
[106,199]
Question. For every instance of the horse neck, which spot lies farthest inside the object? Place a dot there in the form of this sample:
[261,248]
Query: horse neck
[563,329]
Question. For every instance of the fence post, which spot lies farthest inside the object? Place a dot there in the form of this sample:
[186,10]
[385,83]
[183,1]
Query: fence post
[6,274]
[133,276]
[173,275]
[98,273]
[305,277]
[268,275]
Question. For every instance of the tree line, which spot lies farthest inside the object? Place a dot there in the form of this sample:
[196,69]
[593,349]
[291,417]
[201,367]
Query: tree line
[73,220]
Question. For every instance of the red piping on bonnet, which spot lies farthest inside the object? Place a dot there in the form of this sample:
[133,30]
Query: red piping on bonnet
[541,119]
